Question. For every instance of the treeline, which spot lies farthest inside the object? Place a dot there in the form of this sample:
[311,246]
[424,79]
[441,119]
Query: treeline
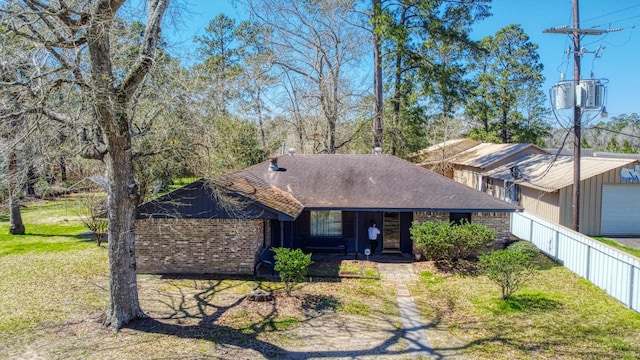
[296,73]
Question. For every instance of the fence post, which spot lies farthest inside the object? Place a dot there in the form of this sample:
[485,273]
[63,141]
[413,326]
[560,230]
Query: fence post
[531,230]
[557,244]
[586,275]
[631,279]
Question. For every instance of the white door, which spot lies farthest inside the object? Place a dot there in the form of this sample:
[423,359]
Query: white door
[620,210]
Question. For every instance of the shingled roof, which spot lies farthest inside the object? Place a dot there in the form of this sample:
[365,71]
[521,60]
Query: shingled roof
[371,182]
[225,196]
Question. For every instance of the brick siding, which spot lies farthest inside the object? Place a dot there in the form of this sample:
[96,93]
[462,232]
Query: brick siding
[199,246]
[498,221]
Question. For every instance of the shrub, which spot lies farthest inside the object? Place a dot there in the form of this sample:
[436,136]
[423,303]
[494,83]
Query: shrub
[524,247]
[507,268]
[440,240]
[293,266]
[92,209]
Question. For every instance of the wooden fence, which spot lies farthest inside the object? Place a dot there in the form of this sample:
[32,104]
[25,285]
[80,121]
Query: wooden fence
[610,269]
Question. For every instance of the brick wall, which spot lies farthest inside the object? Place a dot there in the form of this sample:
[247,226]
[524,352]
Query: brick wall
[498,221]
[199,246]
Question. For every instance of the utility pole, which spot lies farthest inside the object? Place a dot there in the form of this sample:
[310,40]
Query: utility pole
[576,33]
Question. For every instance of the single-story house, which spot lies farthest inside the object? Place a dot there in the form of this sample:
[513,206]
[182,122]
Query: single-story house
[312,202]
[543,186]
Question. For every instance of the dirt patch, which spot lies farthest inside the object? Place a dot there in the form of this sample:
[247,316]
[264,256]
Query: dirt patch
[212,318]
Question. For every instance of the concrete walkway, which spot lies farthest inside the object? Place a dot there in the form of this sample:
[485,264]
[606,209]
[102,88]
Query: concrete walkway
[414,330]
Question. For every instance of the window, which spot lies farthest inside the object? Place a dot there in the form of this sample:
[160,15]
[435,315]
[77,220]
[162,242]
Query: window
[326,223]
[511,192]
[458,218]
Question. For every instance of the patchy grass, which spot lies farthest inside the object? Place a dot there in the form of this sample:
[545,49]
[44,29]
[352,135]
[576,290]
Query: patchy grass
[557,315]
[617,245]
[54,288]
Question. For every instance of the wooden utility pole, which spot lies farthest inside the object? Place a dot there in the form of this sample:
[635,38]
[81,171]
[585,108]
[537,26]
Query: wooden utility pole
[577,117]
[576,33]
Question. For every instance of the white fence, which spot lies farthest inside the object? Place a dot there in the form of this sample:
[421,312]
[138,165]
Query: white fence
[614,271]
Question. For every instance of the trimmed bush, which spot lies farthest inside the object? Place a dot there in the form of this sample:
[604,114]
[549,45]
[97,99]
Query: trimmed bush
[440,240]
[507,268]
[293,266]
[524,247]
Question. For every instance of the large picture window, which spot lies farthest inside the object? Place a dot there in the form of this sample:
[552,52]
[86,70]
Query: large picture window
[326,223]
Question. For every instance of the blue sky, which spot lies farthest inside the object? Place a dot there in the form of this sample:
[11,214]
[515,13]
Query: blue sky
[619,61]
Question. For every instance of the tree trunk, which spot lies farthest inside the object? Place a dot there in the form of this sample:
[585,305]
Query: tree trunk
[63,169]
[263,137]
[124,306]
[505,124]
[377,77]
[397,83]
[16,226]
[111,103]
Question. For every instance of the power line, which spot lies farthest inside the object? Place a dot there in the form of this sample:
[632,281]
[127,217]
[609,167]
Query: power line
[611,13]
[614,131]
[617,21]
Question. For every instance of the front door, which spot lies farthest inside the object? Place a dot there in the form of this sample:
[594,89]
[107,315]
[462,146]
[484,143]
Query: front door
[391,232]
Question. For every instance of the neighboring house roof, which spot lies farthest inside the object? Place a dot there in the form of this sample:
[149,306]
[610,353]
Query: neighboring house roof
[225,196]
[372,182]
[542,172]
[485,155]
[442,151]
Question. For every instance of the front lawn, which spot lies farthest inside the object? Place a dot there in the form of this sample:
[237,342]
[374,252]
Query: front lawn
[558,315]
[54,287]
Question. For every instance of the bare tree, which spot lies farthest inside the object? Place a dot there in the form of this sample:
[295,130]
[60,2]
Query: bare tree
[76,40]
[312,40]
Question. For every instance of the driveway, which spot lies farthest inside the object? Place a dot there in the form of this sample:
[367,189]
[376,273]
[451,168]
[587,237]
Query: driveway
[628,241]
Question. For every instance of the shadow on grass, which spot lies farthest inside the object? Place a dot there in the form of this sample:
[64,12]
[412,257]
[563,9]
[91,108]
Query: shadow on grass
[341,268]
[202,315]
[530,302]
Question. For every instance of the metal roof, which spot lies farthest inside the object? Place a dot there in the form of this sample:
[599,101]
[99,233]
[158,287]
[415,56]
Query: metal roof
[484,155]
[548,173]
[442,151]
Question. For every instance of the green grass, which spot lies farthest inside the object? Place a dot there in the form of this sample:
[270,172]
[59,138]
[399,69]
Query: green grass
[53,279]
[50,226]
[52,264]
[556,315]
[617,245]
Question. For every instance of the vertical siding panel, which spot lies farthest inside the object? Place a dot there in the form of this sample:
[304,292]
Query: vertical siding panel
[584,209]
[597,220]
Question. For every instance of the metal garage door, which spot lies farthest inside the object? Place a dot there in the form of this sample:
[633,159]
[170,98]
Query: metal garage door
[620,210]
